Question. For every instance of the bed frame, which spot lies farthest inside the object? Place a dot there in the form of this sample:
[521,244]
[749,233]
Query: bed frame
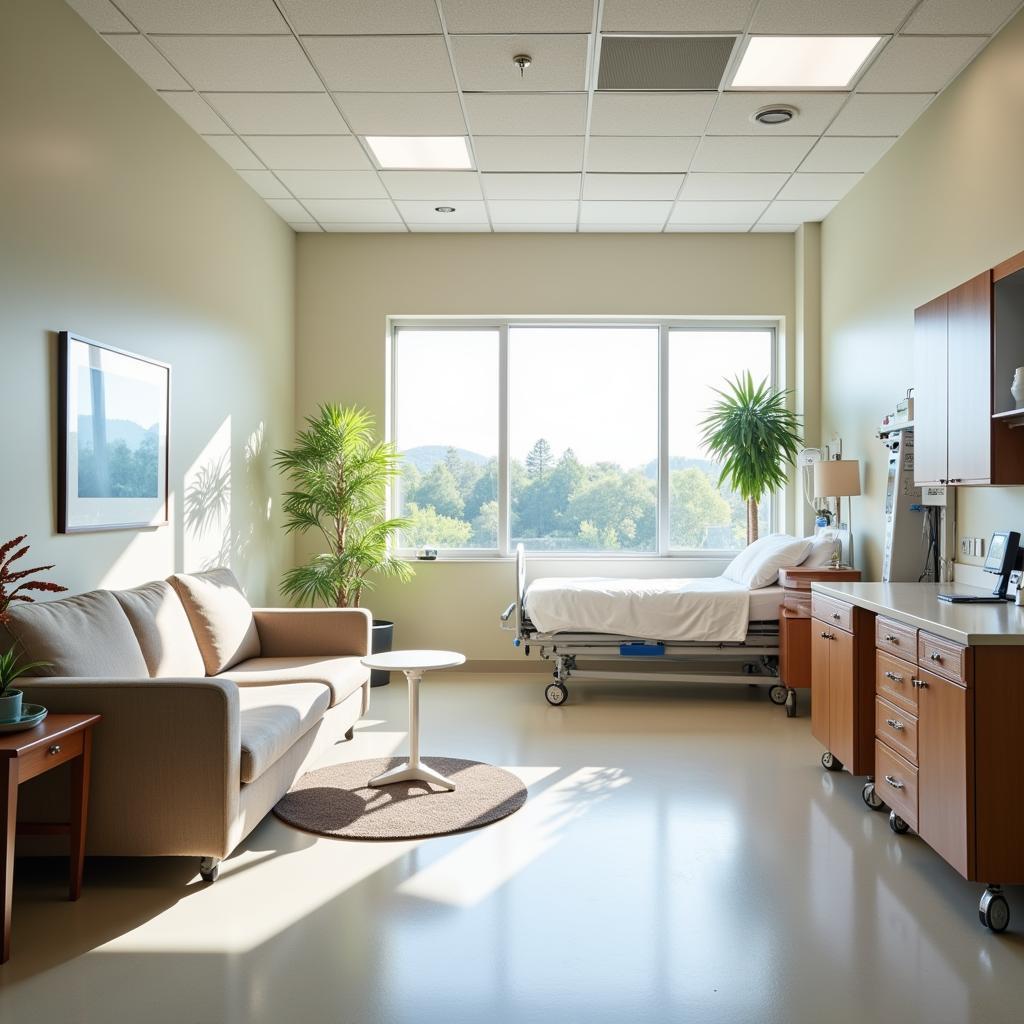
[755,659]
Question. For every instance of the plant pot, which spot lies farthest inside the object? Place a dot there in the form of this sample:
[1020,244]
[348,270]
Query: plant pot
[10,706]
[383,635]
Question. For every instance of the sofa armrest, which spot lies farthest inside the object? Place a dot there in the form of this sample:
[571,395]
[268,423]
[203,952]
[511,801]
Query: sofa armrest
[313,632]
[165,762]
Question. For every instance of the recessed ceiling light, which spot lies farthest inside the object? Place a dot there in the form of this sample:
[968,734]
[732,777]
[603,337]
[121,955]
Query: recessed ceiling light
[420,152]
[444,209]
[802,62]
[777,113]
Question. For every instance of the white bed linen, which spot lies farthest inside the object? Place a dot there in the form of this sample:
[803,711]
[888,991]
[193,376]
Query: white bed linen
[707,609]
[766,602]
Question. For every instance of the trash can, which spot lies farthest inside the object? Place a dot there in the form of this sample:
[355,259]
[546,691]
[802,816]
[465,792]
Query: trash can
[383,635]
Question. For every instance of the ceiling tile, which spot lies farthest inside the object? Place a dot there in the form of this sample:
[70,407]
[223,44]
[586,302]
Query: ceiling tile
[522,153]
[640,154]
[279,113]
[526,113]
[147,62]
[101,15]
[336,211]
[365,229]
[732,186]
[310,152]
[723,153]
[651,113]
[623,213]
[515,211]
[265,184]
[234,151]
[960,16]
[403,113]
[632,186]
[734,113]
[421,211]
[830,17]
[879,113]
[532,186]
[291,210]
[382,63]
[676,15]
[620,228]
[920,63]
[717,212]
[521,16]
[834,153]
[244,63]
[819,186]
[199,17]
[775,229]
[531,228]
[196,113]
[333,184]
[796,213]
[434,227]
[451,185]
[484,63]
[362,17]
[709,229]
[305,228]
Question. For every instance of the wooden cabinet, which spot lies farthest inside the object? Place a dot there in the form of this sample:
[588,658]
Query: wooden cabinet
[930,391]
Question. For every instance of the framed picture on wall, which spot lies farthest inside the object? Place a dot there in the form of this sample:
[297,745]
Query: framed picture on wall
[114,413]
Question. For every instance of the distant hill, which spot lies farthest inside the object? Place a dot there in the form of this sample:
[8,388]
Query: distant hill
[683,462]
[117,430]
[426,456]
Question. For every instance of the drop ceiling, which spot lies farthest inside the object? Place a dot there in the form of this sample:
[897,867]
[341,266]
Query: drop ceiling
[286,90]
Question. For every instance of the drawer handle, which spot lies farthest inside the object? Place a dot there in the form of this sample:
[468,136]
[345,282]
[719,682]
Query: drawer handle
[895,723]
[55,749]
[894,676]
[919,683]
[827,636]
[890,638]
[935,656]
[836,616]
[895,783]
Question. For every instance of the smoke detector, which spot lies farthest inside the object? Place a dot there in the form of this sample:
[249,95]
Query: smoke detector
[776,113]
[444,209]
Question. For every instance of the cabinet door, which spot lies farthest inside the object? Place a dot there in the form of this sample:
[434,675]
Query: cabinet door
[841,695]
[945,770]
[820,682]
[970,381]
[930,392]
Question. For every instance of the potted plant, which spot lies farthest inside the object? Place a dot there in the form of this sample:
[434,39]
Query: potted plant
[754,437]
[338,476]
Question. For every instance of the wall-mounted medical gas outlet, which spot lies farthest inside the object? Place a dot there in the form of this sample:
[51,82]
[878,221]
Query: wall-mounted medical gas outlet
[973,546]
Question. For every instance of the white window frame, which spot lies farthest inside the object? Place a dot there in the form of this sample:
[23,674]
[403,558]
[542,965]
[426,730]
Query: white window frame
[502,324]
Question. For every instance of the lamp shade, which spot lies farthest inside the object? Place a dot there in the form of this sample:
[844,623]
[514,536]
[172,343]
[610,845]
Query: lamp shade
[837,478]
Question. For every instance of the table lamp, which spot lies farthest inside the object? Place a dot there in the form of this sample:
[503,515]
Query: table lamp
[838,478]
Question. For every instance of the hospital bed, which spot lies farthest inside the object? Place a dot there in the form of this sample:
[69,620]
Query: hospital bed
[718,631]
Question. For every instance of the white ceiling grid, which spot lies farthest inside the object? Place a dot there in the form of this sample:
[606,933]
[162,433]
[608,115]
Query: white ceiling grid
[286,90]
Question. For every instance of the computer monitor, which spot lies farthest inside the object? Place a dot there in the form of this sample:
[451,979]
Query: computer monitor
[1002,558]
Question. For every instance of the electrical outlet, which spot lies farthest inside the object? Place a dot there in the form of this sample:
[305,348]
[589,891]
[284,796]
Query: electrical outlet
[974,547]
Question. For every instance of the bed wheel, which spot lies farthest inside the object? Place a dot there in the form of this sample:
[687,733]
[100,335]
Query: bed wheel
[556,693]
[778,694]
[830,762]
[870,796]
[897,824]
[993,910]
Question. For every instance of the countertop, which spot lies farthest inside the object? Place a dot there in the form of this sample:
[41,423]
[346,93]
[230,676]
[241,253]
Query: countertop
[918,604]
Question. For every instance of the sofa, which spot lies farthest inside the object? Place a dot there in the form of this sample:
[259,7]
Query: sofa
[210,708]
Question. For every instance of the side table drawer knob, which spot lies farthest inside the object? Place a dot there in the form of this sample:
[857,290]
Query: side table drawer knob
[55,748]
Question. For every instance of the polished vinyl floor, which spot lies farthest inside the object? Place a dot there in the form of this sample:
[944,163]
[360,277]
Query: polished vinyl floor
[682,858]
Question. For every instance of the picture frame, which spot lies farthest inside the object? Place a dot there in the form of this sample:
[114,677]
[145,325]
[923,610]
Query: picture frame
[112,466]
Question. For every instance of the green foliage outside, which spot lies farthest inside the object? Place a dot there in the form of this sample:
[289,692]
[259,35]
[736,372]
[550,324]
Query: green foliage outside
[121,472]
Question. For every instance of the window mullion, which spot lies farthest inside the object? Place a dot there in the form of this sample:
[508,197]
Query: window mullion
[504,497]
[664,512]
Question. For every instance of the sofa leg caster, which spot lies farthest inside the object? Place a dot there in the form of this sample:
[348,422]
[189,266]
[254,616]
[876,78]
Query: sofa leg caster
[350,732]
[209,869]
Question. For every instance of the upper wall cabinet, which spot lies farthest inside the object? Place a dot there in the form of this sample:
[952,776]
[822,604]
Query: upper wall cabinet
[960,437]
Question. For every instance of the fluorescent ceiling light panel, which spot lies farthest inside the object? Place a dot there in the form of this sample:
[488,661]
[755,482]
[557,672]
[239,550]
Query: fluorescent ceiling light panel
[420,152]
[803,62]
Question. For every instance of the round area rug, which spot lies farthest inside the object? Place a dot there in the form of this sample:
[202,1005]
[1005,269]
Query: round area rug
[336,801]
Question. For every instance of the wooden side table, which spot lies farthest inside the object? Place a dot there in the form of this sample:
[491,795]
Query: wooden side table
[57,740]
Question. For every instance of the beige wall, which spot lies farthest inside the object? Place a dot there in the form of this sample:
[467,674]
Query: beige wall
[945,203]
[119,223]
[348,285]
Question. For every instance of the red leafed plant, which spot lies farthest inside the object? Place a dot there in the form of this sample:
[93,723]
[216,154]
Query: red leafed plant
[13,584]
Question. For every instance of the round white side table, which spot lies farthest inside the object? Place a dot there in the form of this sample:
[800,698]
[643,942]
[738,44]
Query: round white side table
[413,664]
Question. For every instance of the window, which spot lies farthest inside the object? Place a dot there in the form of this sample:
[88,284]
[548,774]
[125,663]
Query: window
[568,437]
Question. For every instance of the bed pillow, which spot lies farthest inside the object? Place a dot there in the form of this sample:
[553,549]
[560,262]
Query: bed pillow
[822,546]
[758,565]
[740,565]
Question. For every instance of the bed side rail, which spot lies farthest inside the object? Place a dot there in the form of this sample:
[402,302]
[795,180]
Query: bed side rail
[514,616]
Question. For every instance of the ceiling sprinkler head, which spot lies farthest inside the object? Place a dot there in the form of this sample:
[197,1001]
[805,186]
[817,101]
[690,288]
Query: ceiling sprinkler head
[444,209]
[777,113]
[522,61]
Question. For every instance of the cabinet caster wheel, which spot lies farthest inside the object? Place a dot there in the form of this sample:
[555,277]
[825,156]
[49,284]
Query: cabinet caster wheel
[830,762]
[897,824]
[871,797]
[994,911]
[209,869]
[556,693]
[778,694]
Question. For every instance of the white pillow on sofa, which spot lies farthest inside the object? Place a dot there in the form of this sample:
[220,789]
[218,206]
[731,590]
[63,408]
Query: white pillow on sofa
[758,564]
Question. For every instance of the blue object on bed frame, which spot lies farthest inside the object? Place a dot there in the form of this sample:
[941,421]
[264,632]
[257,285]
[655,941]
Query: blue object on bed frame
[640,650]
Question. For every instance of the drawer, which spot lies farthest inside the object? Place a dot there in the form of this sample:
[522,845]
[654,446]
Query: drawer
[798,602]
[894,681]
[835,613]
[943,657]
[45,757]
[896,638]
[896,729]
[896,783]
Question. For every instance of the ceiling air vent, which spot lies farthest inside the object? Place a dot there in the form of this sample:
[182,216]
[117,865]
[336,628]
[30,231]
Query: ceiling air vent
[664,62]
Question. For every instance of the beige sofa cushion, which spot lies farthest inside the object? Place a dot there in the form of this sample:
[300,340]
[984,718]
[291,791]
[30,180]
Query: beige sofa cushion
[84,635]
[341,675]
[221,617]
[272,719]
[162,628]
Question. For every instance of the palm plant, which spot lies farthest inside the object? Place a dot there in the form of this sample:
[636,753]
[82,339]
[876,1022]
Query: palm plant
[754,437]
[339,476]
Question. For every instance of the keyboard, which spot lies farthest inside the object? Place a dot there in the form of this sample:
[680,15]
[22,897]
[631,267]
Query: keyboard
[971,599]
